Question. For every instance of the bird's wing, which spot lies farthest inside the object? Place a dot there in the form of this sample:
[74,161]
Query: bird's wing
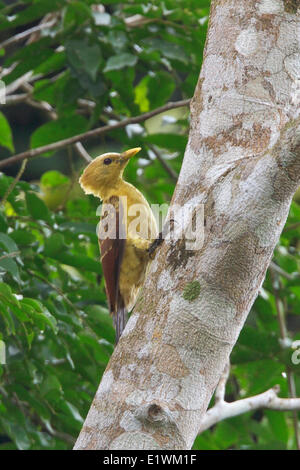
[112,244]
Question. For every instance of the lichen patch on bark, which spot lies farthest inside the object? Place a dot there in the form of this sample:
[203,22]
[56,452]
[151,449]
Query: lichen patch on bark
[191,291]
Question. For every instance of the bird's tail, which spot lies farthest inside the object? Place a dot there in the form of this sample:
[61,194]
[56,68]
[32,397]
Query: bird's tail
[120,318]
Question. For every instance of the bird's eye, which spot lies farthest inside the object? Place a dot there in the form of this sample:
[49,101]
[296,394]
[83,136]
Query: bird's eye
[107,161]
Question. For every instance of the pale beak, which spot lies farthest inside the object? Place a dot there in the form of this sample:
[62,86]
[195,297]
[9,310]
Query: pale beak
[130,153]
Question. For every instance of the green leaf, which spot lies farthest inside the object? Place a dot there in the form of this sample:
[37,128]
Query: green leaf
[3,223]
[59,129]
[5,133]
[79,261]
[31,13]
[54,244]
[225,435]
[80,228]
[154,90]
[9,323]
[8,243]
[141,95]
[168,49]
[168,141]
[19,313]
[36,207]
[160,86]
[75,14]
[98,351]
[117,39]
[23,237]
[39,313]
[120,61]
[259,375]
[53,178]
[84,58]
[20,436]
[260,342]
[37,405]
[5,291]
[72,411]
[10,266]
[50,383]
[55,62]
[28,58]
[278,425]
[101,322]
[7,297]
[44,90]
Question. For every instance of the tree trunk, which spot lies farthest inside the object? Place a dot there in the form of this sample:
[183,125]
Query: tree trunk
[242,162]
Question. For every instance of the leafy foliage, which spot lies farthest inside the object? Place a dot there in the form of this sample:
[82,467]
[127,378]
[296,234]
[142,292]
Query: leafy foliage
[98,62]
[51,318]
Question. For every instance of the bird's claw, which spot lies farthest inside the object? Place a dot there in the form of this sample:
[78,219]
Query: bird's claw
[154,245]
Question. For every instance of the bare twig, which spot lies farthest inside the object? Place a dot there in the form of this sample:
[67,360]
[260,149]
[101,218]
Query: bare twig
[90,105]
[281,272]
[10,7]
[53,286]
[268,400]
[13,254]
[12,87]
[24,34]
[15,99]
[14,182]
[221,387]
[164,164]
[82,152]
[53,115]
[92,133]
[291,227]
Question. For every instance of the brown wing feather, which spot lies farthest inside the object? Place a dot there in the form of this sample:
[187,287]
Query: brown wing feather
[112,245]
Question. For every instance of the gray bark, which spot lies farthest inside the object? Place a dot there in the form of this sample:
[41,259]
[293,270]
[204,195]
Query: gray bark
[243,162]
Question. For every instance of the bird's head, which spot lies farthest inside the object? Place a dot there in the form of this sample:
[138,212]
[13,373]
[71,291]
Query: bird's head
[105,172]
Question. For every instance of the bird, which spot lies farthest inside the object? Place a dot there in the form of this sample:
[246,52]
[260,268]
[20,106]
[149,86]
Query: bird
[127,242]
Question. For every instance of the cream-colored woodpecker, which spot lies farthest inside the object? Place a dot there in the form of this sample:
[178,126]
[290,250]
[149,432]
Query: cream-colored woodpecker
[126,246]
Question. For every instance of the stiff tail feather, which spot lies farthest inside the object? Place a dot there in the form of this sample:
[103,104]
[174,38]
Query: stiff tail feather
[120,318]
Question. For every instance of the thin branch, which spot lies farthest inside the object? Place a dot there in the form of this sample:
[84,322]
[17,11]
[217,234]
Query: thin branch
[14,182]
[90,105]
[92,133]
[279,309]
[221,387]
[53,115]
[82,152]
[54,287]
[6,70]
[268,400]
[7,8]
[292,227]
[24,34]
[12,87]
[13,254]
[281,272]
[15,99]
[164,164]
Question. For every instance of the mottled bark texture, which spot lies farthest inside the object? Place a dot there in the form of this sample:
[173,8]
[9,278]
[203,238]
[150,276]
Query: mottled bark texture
[243,162]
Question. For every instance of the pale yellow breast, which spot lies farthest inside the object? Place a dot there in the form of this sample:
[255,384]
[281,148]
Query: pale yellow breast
[141,230]
[133,272]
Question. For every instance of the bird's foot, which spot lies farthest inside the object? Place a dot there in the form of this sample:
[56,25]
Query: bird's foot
[154,245]
[168,227]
